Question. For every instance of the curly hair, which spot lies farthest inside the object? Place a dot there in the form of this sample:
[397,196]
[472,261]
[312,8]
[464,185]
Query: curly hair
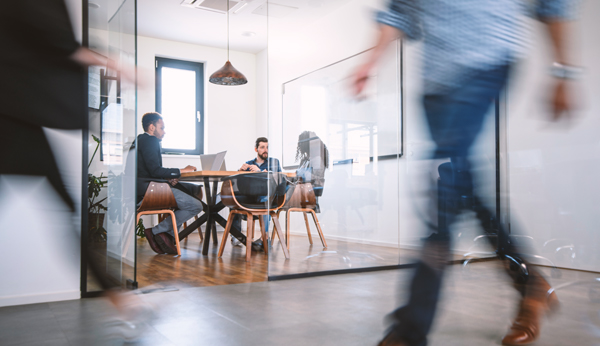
[303,148]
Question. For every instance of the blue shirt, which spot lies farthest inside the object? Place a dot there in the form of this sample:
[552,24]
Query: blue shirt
[270,165]
[462,36]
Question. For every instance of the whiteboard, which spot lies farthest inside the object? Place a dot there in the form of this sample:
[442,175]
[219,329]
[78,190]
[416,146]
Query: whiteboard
[354,129]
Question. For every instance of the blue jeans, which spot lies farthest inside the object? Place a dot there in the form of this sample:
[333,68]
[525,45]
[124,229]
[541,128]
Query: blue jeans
[455,119]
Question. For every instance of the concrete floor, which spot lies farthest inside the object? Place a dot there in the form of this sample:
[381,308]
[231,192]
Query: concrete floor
[348,309]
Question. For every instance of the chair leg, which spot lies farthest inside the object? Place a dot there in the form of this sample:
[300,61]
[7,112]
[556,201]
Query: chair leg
[314,215]
[199,230]
[263,234]
[277,228]
[225,234]
[287,228]
[249,235]
[175,233]
[307,227]
[273,235]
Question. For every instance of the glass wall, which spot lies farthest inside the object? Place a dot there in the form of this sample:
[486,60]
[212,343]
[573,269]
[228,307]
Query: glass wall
[358,164]
[112,129]
[342,151]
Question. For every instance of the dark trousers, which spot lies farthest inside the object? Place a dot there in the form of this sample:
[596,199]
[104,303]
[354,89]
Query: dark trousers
[455,119]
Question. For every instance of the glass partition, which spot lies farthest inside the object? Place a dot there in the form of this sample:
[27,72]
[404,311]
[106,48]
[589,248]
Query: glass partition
[112,112]
[342,153]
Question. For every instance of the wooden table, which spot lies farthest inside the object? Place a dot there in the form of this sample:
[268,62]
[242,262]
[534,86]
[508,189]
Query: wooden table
[211,208]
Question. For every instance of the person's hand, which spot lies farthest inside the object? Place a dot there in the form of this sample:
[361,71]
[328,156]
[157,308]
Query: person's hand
[561,101]
[173,182]
[188,169]
[254,168]
[360,78]
[244,167]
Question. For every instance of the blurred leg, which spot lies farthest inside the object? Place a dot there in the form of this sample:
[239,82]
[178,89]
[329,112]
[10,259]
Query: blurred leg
[455,119]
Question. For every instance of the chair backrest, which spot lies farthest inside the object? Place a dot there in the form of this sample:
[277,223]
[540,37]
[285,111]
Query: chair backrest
[158,196]
[302,196]
[259,191]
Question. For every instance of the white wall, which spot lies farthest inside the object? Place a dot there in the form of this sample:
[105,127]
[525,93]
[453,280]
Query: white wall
[553,167]
[43,262]
[230,111]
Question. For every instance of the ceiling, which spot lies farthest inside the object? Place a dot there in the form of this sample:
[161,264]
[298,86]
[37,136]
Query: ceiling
[167,19]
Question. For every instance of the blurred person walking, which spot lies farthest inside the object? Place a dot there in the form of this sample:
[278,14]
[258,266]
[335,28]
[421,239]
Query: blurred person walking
[43,85]
[469,48]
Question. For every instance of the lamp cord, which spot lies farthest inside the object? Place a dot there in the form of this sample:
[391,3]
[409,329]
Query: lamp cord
[227,30]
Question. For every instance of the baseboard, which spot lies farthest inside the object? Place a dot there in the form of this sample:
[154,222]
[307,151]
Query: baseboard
[39,298]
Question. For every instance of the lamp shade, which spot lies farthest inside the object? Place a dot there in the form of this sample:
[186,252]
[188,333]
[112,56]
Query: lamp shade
[228,75]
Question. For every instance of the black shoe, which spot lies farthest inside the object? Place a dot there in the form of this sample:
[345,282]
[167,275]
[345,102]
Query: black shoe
[165,241]
[257,245]
[153,245]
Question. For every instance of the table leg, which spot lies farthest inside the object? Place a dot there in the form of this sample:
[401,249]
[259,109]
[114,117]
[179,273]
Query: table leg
[193,226]
[209,221]
[214,227]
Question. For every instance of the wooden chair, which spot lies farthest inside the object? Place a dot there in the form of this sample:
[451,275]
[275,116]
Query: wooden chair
[194,190]
[302,200]
[159,199]
[254,194]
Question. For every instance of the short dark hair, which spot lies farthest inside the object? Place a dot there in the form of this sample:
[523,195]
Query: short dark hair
[150,118]
[259,140]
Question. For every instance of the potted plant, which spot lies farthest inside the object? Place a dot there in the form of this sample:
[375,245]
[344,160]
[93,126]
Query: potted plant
[96,209]
[96,231]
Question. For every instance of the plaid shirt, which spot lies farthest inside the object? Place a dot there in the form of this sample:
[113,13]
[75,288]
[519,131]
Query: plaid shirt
[468,35]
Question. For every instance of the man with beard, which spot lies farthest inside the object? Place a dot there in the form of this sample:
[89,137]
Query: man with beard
[261,163]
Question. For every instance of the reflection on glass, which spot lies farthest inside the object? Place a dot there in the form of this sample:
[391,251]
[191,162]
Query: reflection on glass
[178,92]
[331,141]
[118,128]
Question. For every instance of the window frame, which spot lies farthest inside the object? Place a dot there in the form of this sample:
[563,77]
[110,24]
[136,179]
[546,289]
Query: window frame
[198,67]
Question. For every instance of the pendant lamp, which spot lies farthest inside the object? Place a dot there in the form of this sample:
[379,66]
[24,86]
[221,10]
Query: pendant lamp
[228,75]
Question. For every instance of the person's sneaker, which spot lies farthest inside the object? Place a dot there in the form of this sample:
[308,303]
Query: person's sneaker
[236,242]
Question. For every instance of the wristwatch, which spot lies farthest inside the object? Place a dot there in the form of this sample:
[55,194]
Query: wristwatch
[561,71]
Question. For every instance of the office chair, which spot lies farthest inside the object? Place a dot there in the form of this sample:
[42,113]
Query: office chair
[254,194]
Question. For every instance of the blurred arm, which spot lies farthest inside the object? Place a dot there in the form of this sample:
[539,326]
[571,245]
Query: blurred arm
[386,35]
[557,14]
[402,19]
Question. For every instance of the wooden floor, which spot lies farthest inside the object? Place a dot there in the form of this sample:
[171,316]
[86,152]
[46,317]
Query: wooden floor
[195,270]
[192,269]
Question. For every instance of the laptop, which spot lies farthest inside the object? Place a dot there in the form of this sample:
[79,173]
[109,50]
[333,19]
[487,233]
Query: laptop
[213,162]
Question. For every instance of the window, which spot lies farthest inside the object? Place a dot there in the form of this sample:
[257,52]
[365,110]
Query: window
[180,100]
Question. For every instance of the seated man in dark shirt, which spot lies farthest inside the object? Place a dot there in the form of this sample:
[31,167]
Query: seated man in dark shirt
[149,168]
[261,163]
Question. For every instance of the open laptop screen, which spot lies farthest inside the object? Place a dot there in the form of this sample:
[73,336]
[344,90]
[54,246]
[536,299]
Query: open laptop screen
[213,162]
